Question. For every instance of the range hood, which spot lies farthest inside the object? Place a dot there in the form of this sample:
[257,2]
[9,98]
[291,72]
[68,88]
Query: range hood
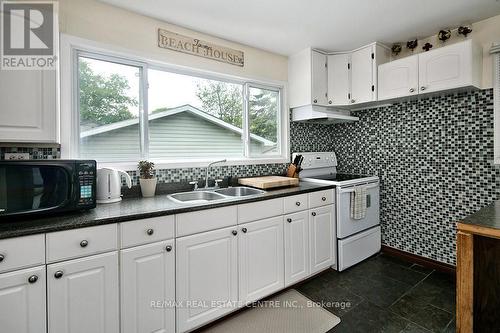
[321,115]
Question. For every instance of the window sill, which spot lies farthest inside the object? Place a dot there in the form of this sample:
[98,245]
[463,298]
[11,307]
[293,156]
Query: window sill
[130,166]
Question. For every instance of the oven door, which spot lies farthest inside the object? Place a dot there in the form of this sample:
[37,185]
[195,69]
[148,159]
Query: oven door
[33,188]
[346,225]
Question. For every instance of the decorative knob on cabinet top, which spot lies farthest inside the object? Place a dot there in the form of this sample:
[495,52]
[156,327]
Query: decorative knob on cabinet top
[150,232]
[168,248]
[313,213]
[323,199]
[289,220]
[412,90]
[84,243]
[2,257]
[58,274]
[234,232]
[33,279]
[244,230]
[298,203]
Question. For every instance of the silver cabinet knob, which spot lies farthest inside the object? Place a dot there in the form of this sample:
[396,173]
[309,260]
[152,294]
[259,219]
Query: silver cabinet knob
[58,274]
[84,243]
[315,101]
[33,279]
[234,232]
[150,232]
[289,220]
[353,100]
[168,248]
[422,88]
[244,230]
[2,257]
[330,102]
[313,213]
[412,90]
[323,199]
[298,203]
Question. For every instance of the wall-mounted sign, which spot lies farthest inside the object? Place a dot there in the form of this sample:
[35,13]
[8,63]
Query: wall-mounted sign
[173,41]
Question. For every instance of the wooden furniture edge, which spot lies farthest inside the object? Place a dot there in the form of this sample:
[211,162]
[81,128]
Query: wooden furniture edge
[465,282]
[478,230]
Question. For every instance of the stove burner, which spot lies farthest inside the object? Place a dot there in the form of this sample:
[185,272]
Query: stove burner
[339,177]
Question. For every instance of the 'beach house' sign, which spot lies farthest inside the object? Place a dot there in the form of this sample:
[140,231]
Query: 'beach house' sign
[173,41]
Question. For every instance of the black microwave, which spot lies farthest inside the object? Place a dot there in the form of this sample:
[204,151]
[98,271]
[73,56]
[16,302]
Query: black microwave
[37,187]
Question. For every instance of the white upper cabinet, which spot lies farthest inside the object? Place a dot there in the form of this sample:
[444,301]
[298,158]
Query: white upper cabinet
[398,78]
[28,104]
[319,86]
[261,258]
[454,66]
[338,79]
[362,89]
[307,78]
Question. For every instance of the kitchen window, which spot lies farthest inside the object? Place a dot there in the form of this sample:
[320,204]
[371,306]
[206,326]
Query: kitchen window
[129,110]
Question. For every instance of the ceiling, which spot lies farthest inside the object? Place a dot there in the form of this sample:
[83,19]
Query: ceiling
[288,26]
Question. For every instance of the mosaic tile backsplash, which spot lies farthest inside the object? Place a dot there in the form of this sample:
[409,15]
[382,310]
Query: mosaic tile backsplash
[434,157]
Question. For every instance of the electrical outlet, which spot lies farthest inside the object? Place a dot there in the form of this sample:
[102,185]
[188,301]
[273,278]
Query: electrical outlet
[17,156]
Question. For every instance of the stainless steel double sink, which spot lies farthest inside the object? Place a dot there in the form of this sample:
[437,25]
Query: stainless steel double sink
[201,196]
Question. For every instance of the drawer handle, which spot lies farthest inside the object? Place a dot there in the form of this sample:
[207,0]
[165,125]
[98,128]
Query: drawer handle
[298,203]
[234,232]
[2,257]
[58,274]
[323,198]
[33,279]
[244,230]
[150,232]
[168,248]
[289,220]
[84,243]
[313,213]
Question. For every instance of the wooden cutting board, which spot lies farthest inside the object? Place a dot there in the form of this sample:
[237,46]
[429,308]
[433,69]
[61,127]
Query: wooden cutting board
[269,182]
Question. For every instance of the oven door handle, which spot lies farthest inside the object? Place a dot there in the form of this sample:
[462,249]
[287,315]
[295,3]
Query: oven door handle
[368,187]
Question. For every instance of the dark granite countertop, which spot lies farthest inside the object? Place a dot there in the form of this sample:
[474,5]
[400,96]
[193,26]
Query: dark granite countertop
[487,217]
[134,209]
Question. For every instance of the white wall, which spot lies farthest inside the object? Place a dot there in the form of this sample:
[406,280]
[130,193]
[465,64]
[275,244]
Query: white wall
[484,33]
[103,23]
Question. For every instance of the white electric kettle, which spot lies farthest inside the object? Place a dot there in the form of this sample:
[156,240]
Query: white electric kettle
[109,185]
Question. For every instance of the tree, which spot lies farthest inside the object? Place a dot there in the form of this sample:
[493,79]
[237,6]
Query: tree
[222,100]
[263,111]
[103,100]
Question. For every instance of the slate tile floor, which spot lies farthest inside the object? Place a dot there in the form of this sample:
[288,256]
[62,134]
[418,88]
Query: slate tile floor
[384,294]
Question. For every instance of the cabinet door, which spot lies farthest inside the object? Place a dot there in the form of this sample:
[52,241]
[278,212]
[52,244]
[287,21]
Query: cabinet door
[338,79]
[83,295]
[261,258]
[28,106]
[296,247]
[322,238]
[22,301]
[445,68]
[147,276]
[362,89]
[319,78]
[398,78]
[206,272]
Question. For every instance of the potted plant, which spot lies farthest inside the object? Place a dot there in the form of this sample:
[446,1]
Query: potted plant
[147,179]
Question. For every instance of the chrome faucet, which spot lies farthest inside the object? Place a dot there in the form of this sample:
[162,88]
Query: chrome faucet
[208,168]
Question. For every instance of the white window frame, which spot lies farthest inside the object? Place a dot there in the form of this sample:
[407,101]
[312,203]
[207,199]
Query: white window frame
[72,47]
[495,52]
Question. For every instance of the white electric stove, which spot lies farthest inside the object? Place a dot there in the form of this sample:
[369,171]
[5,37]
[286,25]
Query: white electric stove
[356,239]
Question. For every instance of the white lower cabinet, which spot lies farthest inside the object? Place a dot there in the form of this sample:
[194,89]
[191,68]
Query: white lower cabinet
[296,230]
[83,295]
[206,272]
[261,258]
[322,238]
[148,288]
[23,301]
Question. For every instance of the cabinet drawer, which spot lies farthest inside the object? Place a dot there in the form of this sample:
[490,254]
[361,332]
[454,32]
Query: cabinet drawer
[321,198]
[204,220]
[81,242]
[146,231]
[260,210]
[21,252]
[295,203]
